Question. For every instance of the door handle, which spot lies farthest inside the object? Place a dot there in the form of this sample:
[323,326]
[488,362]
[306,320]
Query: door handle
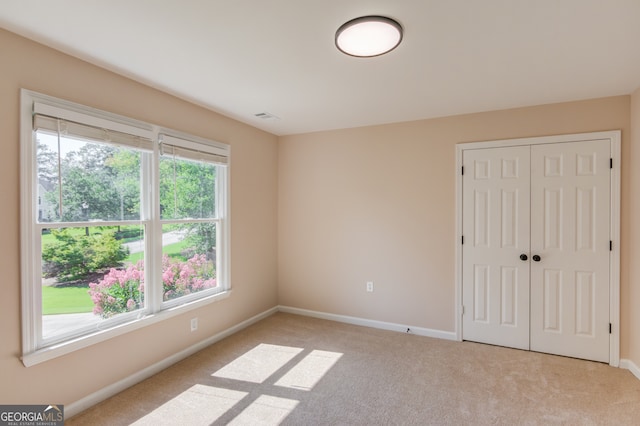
[523,256]
[536,258]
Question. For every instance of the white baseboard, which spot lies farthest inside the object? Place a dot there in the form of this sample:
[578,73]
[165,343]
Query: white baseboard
[76,407]
[402,328]
[627,364]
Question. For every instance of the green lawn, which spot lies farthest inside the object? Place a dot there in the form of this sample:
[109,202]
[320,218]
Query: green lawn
[174,251]
[133,258]
[66,300]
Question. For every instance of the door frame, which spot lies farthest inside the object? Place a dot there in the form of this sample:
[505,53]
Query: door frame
[614,137]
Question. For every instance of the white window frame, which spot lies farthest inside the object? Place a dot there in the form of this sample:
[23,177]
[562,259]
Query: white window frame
[34,350]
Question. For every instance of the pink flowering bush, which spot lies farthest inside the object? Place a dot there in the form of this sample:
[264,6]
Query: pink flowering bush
[182,278]
[122,290]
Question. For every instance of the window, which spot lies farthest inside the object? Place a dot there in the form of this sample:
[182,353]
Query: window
[120,220]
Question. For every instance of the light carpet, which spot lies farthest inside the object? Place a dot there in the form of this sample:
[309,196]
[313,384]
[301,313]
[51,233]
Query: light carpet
[294,370]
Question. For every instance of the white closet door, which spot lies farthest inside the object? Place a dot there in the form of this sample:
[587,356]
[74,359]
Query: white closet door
[496,230]
[570,208]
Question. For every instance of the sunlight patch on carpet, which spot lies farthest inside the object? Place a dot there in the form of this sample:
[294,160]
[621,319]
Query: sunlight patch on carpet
[265,410]
[258,364]
[198,405]
[309,371]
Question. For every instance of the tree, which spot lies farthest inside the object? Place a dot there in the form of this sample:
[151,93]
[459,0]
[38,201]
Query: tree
[202,239]
[87,189]
[47,166]
[99,182]
[124,167]
[187,189]
[47,163]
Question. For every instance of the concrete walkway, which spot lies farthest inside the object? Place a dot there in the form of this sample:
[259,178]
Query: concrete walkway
[53,325]
[167,238]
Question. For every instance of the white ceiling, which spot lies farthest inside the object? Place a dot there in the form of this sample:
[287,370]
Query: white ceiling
[242,57]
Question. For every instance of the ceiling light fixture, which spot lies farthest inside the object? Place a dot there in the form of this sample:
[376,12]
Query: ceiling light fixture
[368,36]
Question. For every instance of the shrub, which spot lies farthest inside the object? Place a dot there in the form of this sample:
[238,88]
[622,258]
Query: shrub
[202,238]
[72,257]
[123,290]
[182,278]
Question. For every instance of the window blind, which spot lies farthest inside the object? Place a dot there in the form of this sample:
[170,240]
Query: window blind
[75,130]
[191,150]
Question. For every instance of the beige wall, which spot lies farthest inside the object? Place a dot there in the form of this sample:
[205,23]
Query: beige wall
[632,302]
[378,203]
[374,203]
[25,64]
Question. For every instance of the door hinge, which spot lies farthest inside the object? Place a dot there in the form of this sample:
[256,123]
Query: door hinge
[462,170]
[462,239]
[611,163]
[610,245]
[609,328]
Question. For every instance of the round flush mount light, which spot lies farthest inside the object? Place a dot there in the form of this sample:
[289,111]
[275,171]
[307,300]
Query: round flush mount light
[368,36]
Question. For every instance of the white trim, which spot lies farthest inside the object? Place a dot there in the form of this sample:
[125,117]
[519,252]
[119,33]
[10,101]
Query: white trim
[614,136]
[402,328]
[627,364]
[76,407]
[30,327]
[614,254]
[576,137]
[223,231]
[458,247]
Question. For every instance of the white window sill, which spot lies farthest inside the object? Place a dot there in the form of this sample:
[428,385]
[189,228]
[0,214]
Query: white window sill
[60,349]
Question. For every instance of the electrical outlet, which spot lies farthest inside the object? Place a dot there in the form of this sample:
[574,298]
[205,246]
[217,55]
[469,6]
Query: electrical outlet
[194,324]
[370,286]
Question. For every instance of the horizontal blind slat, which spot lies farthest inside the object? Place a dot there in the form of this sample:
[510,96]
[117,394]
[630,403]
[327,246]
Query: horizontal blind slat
[76,130]
[102,120]
[192,150]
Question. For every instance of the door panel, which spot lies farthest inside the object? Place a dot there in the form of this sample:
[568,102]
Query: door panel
[552,208]
[570,193]
[549,200]
[496,220]
[552,287]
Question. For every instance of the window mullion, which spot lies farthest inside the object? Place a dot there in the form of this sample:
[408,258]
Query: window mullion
[153,255]
[222,213]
